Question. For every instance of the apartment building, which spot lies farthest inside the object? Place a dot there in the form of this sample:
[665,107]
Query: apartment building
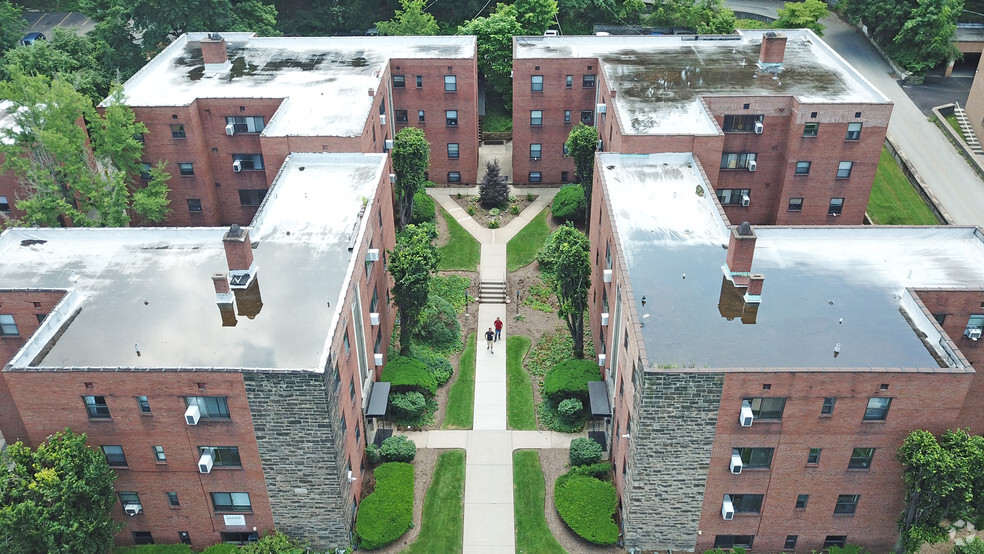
[762,377]
[787,132]
[222,371]
[224,111]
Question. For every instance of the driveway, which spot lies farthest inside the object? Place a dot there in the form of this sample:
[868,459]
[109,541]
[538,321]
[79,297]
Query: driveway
[45,22]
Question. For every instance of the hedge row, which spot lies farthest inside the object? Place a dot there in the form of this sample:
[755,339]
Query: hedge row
[569,379]
[406,374]
[387,513]
[587,506]
[570,203]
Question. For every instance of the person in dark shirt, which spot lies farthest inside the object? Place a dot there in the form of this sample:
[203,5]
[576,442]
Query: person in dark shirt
[489,339]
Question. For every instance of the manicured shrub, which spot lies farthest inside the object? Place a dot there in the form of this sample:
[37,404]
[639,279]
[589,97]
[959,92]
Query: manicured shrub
[373,454]
[977,548]
[602,470]
[439,366]
[154,549]
[406,406]
[398,448]
[587,505]
[387,513]
[221,549]
[274,543]
[570,409]
[438,326]
[569,379]
[406,374]
[584,451]
[471,210]
[569,203]
[424,209]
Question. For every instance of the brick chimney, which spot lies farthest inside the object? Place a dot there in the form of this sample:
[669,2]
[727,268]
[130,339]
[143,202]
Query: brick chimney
[223,295]
[239,256]
[741,249]
[214,53]
[773,49]
[754,293]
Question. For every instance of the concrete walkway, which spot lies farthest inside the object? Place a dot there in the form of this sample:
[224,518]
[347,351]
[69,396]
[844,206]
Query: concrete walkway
[489,521]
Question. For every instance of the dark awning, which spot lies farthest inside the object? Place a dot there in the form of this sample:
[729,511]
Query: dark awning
[378,399]
[598,397]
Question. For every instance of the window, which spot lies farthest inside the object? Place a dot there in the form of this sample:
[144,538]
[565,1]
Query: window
[4,204]
[142,537]
[795,205]
[143,404]
[450,83]
[239,537]
[8,328]
[803,168]
[420,116]
[535,177]
[846,503]
[420,81]
[139,137]
[877,409]
[588,81]
[114,455]
[811,129]
[186,169]
[159,453]
[767,408]
[172,499]
[401,116]
[399,81]
[536,83]
[452,117]
[587,117]
[96,407]
[813,458]
[454,176]
[453,150]
[801,501]
[564,177]
[145,171]
[756,458]
[223,456]
[828,406]
[536,118]
[249,197]
[178,131]
[747,503]
[231,502]
[975,321]
[861,458]
[853,131]
[185,537]
[127,497]
[740,123]
[249,162]
[194,205]
[790,543]
[733,541]
[570,81]
[736,160]
[940,318]
[835,540]
[836,206]
[731,196]
[844,169]
[536,151]
[246,124]
[41,317]
[210,406]
[567,116]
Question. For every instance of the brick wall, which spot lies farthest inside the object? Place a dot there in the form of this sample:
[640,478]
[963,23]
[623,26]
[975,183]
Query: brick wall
[25,306]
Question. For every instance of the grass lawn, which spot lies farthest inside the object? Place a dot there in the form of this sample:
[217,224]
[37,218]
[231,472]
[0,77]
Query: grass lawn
[893,199]
[532,533]
[443,520]
[522,249]
[462,250]
[519,391]
[952,120]
[460,411]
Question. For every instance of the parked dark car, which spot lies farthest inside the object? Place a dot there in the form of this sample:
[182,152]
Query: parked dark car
[30,38]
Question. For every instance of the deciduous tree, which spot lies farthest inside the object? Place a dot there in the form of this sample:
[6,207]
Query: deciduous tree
[926,38]
[411,158]
[12,25]
[565,257]
[535,16]
[802,15]
[494,34]
[411,263]
[581,145]
[411,20]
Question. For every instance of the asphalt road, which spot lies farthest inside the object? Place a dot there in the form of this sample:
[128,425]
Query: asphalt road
[42,22]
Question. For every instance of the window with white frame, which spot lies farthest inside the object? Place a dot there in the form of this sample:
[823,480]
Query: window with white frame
[450,83]
[536,83]
[803,168]
[877,409]
[453,150]
[731,196]
[536,118]
[536,151]
[451,117]
[399,81]
[844,169]
[736,160]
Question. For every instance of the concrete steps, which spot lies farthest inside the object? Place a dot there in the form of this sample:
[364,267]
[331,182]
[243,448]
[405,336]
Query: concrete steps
[969,137]
[492,292]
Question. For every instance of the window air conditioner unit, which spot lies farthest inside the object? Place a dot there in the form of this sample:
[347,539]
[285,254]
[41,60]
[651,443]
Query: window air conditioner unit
[752,165]
[601,360]
[759,127]
[382,119]
[606,276]
[192,415]
[388,144]
[237,166]
[604,318]
[374,318]
[132,509]
[727,508]
[393,178]
[601,108]
[231,129]
[736,464]
[745,200]
[600,145]
[974,334]
[378,358]
[745,417]
[372,255]
[205,463]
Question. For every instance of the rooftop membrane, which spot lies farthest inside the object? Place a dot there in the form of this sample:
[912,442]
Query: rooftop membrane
[144,298]
[325,79]
[823,286]
[658,79]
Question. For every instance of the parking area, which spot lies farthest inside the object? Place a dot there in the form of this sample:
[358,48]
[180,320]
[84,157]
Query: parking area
[45,22]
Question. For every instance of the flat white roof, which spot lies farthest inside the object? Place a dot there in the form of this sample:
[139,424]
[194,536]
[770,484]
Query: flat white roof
[326,79]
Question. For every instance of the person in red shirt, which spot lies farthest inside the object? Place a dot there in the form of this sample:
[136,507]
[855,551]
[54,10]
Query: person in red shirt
[498,328]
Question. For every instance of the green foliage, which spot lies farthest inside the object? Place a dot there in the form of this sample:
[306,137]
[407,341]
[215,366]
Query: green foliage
[411,264]
[493,224]
[424,209]
[847,549]
[459,412]
[406,406]
[407,374]
[494,34]
[514,209]
[632,11]
[520,413]
[411,158]
[387,513]
[565,258]
[65,56]
[975,546]
[802,15]
[398,448]
[703,16]
[532,532]
[581,145]
[548,413]
[600,470]
[569,203]
[438,326]
[551,349]
[274,543]
[471,210]
[151,202]
[750,24]
[587,505]
[894,201]
[539,295]
[571,410]
[493,192]
[438,365]
[12,25]
[56,498]
[156,549]
[462,251]
[444,512]
[917,34]
[535,16]
[373,454]
[453,288]
[521,249]
[584,451]
[411,20]
[221,549]
[569,379]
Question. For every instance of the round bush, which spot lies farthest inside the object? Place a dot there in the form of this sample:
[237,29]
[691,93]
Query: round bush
[423,208]
[387,513]
[438,366]
[438,325]
[373,455]
[406,374]
[569,203]
[570,409]
[569,379]
[407,406]
[584,451]
[398,448]
[587,505]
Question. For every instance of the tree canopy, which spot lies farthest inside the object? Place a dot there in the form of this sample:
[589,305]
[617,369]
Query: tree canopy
[581,145]
[566,258]
[411,20]
[918,34]
[802,15]
[703,16]
[12,25]
[56,498]
[494,35]
[411,158]
[411,263]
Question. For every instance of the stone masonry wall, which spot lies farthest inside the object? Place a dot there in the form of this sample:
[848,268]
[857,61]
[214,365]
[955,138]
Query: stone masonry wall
[296,430]
[676,418]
